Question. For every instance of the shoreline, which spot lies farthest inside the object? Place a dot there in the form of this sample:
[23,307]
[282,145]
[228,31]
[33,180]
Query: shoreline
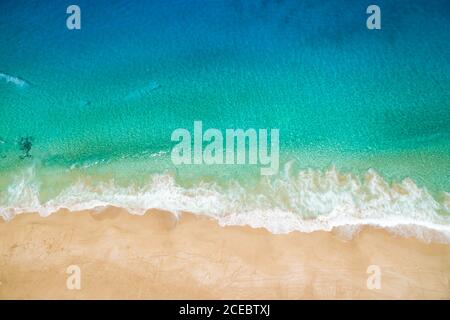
[156,256]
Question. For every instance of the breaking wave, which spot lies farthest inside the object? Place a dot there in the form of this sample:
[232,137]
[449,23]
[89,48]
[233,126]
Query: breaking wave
[310,200]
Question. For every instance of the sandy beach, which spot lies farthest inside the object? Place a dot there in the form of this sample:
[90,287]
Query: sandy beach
[157,256]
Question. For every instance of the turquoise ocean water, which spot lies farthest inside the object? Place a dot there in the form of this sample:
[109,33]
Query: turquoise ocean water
[364,115]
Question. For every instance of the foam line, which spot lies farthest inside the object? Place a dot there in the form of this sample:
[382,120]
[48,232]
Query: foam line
[312,200]
[14,80]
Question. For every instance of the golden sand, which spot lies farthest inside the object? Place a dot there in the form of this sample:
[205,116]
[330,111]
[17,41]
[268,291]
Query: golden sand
[156,256]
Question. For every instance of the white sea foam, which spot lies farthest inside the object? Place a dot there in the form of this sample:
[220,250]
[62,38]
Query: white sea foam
[309,201]
[14,80]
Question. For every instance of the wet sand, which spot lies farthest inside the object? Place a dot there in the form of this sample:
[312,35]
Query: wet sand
[157,256]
